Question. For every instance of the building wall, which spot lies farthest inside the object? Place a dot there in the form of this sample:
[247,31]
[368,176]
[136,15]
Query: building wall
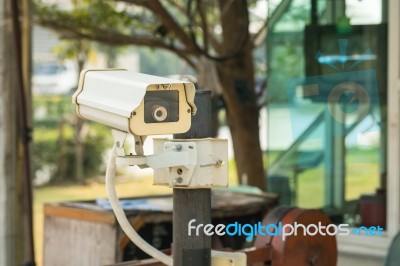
[356,260]
[43,42]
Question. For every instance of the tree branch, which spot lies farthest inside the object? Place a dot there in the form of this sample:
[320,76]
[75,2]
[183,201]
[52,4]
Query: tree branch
[270,22]
[208,38]
[187,58]
[134,2]
[177,5]
[159,11]
[168,21]
[115,39]
[258,37]
[204,25]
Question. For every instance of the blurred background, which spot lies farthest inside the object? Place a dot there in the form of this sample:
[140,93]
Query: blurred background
[258,57]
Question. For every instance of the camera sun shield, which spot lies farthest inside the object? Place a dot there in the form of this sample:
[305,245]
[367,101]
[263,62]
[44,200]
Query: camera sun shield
[136,103]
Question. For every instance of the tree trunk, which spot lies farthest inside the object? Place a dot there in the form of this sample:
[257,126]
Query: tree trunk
[243,120]
[26,151]
[244,127]
[79,151]
[236,76]
[79,141]
[11,207]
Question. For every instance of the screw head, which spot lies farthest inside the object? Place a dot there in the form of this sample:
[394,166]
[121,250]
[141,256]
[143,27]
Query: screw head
[178,180]
[178,147]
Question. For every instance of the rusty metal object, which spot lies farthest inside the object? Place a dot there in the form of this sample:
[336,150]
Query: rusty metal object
[257,254]
[297,250]
[317,250]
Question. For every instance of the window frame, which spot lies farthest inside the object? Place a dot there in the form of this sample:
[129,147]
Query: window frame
[378,246]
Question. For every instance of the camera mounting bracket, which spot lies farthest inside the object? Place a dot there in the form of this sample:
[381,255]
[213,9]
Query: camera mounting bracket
[120,138]
[185,163]
[207,168]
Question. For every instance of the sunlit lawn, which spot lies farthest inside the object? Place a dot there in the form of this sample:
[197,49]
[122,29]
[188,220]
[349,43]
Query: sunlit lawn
[362,176]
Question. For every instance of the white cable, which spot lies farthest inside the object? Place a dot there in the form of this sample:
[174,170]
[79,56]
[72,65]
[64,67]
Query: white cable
[121,217]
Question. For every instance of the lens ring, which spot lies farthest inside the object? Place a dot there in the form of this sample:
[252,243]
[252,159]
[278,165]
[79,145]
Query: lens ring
[159,113]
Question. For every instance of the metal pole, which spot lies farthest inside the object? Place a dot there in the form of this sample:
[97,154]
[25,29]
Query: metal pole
[314,12]
[188,204]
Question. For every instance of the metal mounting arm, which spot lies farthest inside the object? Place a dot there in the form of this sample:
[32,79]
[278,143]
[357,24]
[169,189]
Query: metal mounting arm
[156,161]
[191,163]
[172,157]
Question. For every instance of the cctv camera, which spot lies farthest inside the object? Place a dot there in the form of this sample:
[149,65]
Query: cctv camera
[136,103]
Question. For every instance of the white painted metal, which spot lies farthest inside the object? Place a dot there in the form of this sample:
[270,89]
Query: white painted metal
[372,246]
[393,180]
[118,91]
[221,258]
[115,98]
[157,161]
[104,117]
[208,165]
[192,163]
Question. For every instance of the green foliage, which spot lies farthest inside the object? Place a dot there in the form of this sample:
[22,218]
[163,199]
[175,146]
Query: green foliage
[159,62]
[54,140]
[44,153]
[111,53]
[72,49]
[94,147]
[49,152]
[286,61]
[95,16]
[52,108]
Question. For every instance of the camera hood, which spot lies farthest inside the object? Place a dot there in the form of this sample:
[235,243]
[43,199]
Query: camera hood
[114,97]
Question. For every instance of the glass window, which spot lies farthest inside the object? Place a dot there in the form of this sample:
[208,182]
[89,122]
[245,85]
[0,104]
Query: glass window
[327,108]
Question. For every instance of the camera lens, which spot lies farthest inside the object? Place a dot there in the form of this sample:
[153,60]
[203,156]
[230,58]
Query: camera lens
[161,106]
[159,113]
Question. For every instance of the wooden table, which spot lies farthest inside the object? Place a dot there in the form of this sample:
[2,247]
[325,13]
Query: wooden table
[85,233]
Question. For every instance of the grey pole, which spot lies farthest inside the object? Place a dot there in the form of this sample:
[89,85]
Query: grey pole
[191,204]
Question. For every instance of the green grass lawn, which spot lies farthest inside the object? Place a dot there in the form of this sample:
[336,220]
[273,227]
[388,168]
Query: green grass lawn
[362,176]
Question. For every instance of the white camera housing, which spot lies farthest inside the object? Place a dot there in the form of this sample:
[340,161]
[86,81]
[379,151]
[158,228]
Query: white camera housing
[136,103]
